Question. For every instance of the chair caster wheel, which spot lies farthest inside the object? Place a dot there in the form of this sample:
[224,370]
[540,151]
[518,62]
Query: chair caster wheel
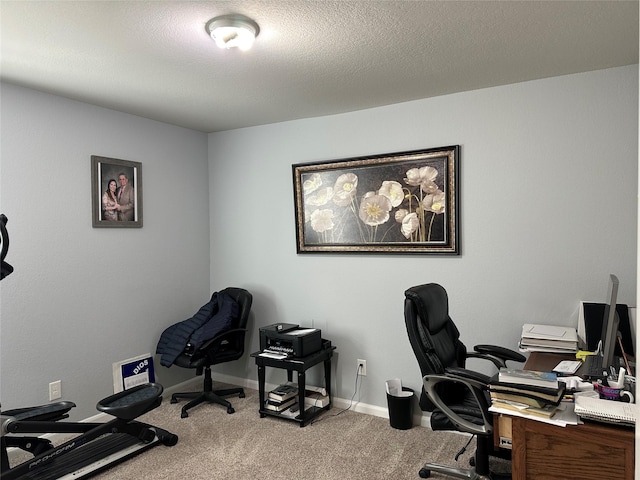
[242,395]
[184,415]
[230,410]
[472,461]
[424,473]
[173,400]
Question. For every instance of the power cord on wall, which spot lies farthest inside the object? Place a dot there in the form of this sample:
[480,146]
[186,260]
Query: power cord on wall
[355,391]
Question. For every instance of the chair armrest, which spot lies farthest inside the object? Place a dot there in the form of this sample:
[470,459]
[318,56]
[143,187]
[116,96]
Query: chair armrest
[481,379]
[227,335]
[475,385]
[497,355]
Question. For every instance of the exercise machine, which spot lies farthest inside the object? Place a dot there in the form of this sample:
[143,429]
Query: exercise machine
[99,445]
[5,268]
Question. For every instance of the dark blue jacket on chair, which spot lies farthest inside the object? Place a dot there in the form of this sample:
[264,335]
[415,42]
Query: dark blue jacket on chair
[212,319]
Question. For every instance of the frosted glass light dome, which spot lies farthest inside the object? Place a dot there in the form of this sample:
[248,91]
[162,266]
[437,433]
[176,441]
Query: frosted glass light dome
[233,31]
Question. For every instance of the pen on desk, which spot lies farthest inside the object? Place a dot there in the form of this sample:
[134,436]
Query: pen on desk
[624,354]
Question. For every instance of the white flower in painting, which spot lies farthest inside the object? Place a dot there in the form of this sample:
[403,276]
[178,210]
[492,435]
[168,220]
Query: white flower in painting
[311,184]
[435,203]
[410,224]
[400,214]
[374,209]
[424,177]
[321,197]
[322,220]
[393,191]
[345,189]
[429,187]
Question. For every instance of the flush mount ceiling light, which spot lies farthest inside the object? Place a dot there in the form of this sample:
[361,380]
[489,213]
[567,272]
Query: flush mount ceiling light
[231,31]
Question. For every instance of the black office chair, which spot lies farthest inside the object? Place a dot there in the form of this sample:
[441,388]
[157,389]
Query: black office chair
[456,397]
[225,347]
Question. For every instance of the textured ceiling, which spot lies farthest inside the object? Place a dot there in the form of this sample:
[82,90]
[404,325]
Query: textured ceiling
[312,58]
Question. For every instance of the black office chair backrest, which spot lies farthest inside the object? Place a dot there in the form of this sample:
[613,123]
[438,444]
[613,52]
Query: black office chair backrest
[244,300]
[433,336]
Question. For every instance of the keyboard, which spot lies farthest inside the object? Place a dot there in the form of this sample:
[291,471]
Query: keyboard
[593,368]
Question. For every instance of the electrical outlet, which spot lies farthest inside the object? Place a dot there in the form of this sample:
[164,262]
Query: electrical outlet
[55,390]
[362,367]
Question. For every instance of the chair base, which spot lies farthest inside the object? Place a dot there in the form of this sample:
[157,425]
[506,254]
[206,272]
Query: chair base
[479,462]
[208,395]
[425,472]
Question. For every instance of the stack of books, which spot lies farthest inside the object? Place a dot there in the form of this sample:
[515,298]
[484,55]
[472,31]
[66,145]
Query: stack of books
[548,338]
[281,397]
[527,392]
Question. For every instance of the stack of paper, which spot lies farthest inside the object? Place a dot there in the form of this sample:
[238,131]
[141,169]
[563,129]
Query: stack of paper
[548,338]
[563,416]
[315,399]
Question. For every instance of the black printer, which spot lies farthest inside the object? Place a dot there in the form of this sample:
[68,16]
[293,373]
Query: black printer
[290,339]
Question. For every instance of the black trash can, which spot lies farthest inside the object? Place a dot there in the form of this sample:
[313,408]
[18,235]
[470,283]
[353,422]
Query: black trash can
[401,410]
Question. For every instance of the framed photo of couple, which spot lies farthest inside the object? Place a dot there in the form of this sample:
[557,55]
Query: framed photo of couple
[116,193]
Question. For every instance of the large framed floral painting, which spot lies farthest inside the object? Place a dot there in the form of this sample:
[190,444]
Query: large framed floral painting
[403,202]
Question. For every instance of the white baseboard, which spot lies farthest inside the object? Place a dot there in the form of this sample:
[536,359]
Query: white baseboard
[420,418]
[360,407]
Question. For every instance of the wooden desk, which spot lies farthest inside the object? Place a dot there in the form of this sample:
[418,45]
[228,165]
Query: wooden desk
[592,451]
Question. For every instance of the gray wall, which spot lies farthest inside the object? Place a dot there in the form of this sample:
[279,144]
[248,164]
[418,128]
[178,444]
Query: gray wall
[548,202]
[82,298]
[548,209]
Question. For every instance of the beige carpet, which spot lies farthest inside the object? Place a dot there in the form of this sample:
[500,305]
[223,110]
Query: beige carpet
[215,445]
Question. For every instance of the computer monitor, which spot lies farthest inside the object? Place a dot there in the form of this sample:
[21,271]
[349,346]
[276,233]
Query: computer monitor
[610,322]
